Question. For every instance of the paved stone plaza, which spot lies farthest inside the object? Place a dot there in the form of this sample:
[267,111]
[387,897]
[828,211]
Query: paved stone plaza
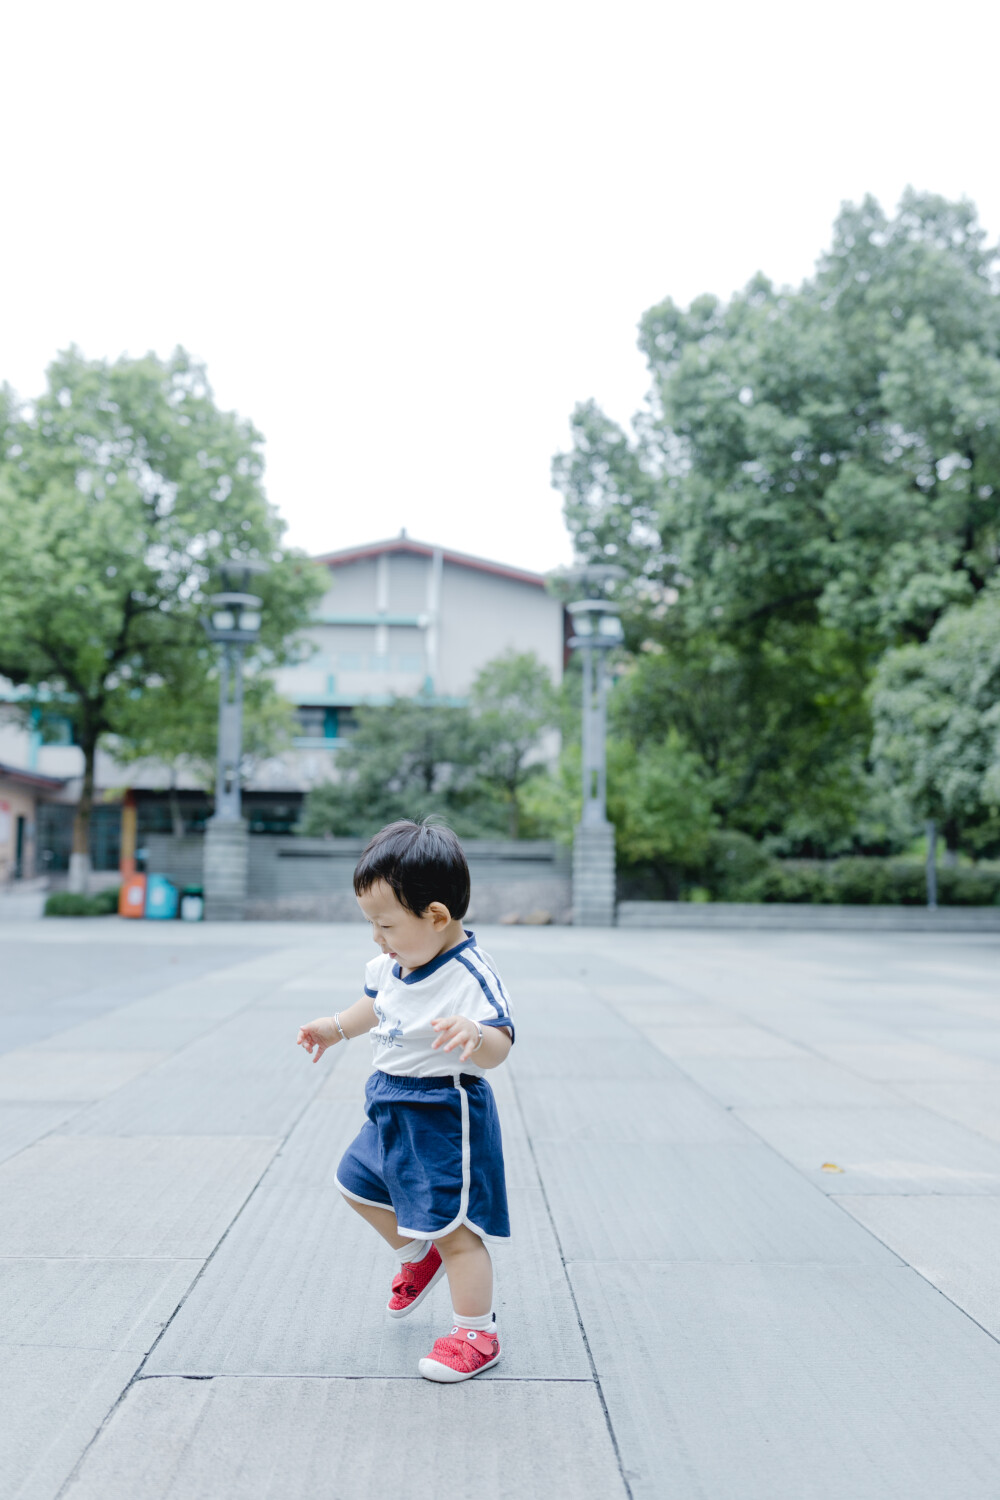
[755,1194]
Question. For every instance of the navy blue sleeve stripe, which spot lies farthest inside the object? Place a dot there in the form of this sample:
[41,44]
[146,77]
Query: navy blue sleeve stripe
[500,985]
[505,1021]
[481,981]
[370,993]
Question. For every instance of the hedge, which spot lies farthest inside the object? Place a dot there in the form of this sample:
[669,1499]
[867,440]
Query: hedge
[72,904]
[870,882]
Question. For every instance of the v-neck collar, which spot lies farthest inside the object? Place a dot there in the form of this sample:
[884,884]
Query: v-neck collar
[425,970]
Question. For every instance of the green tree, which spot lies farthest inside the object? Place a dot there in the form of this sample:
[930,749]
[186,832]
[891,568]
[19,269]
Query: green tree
[660,804]
[407,759]
[937,723]
[815,479]
[121,490]
[514,702]
[173,725]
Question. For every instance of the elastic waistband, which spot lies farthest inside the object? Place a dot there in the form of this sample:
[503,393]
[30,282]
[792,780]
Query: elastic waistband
[389,1081]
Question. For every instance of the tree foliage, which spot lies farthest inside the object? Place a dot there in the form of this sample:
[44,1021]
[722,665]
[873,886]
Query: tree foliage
[814,480]
[937,722]
[513,704]
[466,762]
[122,488]
[407,759]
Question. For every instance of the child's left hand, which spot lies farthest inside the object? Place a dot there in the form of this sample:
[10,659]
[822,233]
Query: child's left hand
[457,1031]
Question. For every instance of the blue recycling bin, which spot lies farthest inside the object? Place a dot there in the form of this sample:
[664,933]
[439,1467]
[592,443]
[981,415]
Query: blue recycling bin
[161,898]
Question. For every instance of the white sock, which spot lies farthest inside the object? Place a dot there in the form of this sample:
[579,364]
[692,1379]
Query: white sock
[485,1321]
[414,1250]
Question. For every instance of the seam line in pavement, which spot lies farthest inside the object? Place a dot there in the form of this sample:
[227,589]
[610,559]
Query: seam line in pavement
[137,1373]
[569,1285]
[311,1375]
[733,1110]
[81,1105]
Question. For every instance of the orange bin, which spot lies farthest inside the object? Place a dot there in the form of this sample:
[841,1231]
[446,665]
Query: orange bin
[132,897]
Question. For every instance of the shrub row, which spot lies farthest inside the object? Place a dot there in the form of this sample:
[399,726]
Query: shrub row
[734,867]
[869,882]
[70,904]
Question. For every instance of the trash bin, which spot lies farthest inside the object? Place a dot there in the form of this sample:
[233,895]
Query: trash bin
[192,904]
[132,897]
[161,898]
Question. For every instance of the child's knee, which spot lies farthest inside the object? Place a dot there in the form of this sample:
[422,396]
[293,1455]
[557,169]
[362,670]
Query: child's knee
[461,1241]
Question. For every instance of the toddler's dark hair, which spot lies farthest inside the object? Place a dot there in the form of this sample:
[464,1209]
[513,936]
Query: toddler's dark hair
[421,863]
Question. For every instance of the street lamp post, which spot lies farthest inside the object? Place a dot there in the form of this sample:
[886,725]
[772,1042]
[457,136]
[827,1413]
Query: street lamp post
[597,630]
[234,623]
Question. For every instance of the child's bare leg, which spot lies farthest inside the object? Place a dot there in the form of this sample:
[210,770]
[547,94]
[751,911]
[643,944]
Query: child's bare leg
[469,1270]
[382,1219]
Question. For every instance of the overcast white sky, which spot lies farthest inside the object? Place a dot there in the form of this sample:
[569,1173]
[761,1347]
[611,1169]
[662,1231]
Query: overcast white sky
[407,238]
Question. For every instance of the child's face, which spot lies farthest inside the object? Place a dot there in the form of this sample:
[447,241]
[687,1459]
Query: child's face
[409,939]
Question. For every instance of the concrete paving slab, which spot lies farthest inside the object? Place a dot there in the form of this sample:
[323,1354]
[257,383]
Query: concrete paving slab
[53,1402]
[662,993]
[902,1149]
[608,1109]
[951,1241]
[779,1382]
[245,1077]
[680,1013]
[299,1287]
[20,1124]
[735,1081]
[587,1057]
[554,1019]
[49,963]
[333,983]
[710,1203]
[975,1105]
[973,1038]
[125,1030]
[91,1304]
[906,1059]
[912,1017]
[22,1028]
[56,1075]
[820,1026]
[215,998]
[253,1439]
[113,1196]
[597,967]
[720,1041]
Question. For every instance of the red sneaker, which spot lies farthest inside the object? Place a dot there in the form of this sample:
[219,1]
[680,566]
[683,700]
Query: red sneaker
[464,1353]
[413,1282]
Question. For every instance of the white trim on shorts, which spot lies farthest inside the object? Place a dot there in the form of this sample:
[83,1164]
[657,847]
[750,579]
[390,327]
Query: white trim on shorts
[462,1217]
[357,1198]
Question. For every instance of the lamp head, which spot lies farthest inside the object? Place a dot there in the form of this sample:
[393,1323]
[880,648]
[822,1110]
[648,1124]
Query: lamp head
[234,618]
[596,624]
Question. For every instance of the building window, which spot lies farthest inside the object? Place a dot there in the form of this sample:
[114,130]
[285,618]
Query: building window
[56,729]
[411,661]
[350,661]
[325,723]
[312,723]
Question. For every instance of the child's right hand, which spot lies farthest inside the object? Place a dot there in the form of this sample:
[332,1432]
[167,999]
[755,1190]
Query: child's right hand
[320,1034]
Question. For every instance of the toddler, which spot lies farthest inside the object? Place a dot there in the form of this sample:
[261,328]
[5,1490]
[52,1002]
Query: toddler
[426,1169]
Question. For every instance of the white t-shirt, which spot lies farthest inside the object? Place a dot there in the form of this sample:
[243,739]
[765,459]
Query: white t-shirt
[461,982]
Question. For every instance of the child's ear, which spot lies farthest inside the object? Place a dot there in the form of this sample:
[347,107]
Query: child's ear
[439,914]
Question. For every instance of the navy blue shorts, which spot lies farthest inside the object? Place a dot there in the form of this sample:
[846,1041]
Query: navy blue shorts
[431,1151]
